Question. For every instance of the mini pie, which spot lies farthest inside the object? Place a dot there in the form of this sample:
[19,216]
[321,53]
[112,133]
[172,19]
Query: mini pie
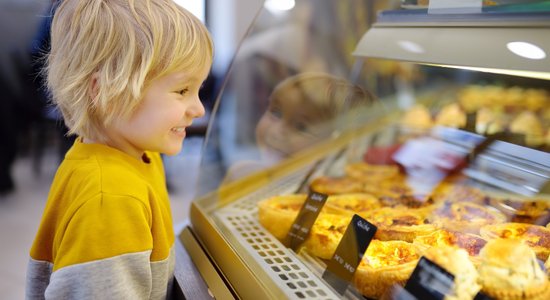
[470,242]
[399,224]
[457,262]
[384,264]
[465,216]
[369,172]
[350,204]
[451,192]
[533,211]
[509,270]
[336,185]
[276,214]
[535,236]
[325,235]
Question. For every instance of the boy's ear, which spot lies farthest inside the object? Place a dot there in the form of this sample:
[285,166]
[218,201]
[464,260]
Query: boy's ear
[93,89]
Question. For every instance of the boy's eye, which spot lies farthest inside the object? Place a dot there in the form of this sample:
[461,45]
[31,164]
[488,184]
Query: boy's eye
[184,91]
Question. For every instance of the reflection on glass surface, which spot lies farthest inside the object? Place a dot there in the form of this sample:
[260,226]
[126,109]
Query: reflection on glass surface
[435,157]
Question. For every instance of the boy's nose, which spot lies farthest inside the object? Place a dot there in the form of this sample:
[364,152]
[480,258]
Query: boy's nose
[197,109]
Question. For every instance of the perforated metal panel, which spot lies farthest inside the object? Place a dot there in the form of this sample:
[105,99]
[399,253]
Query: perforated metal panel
[284,267]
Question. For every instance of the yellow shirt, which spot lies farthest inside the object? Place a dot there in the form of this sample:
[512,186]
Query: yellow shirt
[106,231]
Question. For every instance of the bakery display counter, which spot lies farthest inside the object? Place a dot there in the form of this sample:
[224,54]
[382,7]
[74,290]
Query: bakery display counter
[348,159]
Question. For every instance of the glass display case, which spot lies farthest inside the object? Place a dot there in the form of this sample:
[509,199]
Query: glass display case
[380,149]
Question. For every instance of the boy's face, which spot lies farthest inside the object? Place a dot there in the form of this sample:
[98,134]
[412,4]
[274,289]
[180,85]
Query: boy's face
[169,105]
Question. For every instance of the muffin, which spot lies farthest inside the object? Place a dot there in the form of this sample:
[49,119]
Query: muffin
[509,270]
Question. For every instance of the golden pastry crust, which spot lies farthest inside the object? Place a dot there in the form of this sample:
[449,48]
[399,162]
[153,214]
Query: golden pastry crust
[457,262]
[325,235]
[276,214]
[471,243]
[535,236]
[451,115]
[509,270]
[371,173]
[349,204]
[465,216]
[399,224]
[384,264]
[417,117]
[518,210]
[336,185]
[453,192]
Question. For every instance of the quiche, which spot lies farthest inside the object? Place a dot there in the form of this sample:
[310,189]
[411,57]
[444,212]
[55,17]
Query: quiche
[276,214]
[471,243]
[457,192]
[325,234]
[465,216]
[336,185]
[399,224]
[350,204]
[384,264]
[509,270]
[533,211]
[535,236]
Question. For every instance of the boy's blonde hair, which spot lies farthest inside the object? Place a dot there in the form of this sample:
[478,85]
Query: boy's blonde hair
[122,46]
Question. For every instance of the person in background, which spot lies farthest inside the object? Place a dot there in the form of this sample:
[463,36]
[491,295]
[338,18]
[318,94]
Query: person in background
[125,75]
[303,110]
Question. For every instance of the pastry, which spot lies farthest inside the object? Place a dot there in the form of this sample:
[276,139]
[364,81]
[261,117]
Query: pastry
[509,270]
[336,185]
[384,264]
[465,216]
[325,234]
[399,223]
[457,262]
[349,204]
[533,211]
[528,124]
[276,214]
[488,121]
[535,236]
[452,192]
[451,115]
[417,117]
[470,242]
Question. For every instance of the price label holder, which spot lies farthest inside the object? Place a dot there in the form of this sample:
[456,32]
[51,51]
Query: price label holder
[349,253]
[301,227]
[429,281]
[482,296]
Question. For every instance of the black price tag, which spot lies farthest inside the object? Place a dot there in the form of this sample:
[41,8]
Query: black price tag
[349,253]
[429,281]
[301,227]
[482,296]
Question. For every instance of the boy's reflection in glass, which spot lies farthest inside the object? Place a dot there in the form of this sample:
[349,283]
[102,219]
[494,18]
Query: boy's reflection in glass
[303,110]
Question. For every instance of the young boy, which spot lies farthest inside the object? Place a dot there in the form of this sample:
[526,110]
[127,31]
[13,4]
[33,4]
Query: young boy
[126,75]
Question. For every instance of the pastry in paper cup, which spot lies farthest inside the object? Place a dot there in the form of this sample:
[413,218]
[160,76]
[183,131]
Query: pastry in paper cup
[509,270]
[535,236]
[384,264]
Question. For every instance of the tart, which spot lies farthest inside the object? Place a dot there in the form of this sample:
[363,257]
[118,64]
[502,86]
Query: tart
[471,243]
[276,214]
[457,262]
[399,224]
[509,270]
[350,204]
[452,192]
[336,185]
[384,264]
[465,216]
[451,115]
[325,234]
[417,117]
[533,211]
[535,236]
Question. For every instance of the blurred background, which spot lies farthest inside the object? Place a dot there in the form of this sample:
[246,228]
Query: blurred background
[32,141]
